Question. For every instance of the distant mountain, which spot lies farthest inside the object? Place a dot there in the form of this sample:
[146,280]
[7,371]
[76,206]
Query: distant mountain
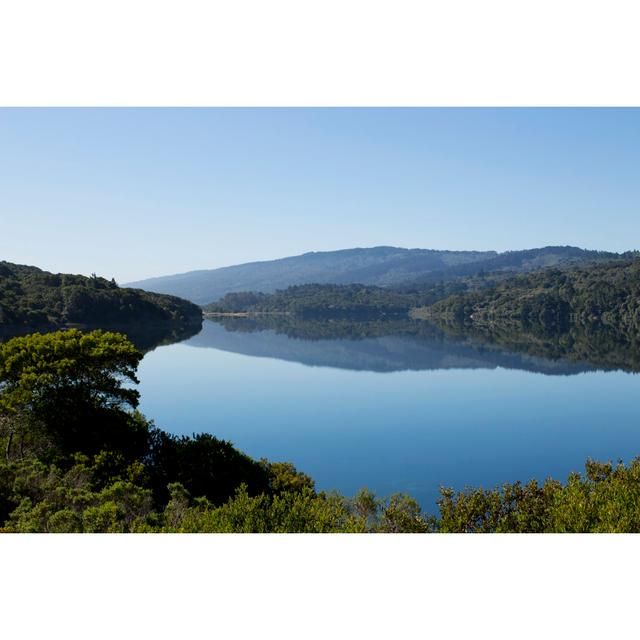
[34,299]
[379,266]
[515,262]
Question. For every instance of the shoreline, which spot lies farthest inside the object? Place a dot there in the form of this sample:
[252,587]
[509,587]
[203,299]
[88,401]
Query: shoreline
[243,314]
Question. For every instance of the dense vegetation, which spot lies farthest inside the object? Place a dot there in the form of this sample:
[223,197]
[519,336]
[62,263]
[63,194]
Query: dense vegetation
[605,499]
[607,294]
[334,301]
[376,266]
[584,314]
[78,457]
[33,298]
[68,420]
[511,263]
[381,266]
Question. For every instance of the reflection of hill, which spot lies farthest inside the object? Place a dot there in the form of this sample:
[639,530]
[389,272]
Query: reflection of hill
[148,338]
[376,346]
[602,346]
[144,337]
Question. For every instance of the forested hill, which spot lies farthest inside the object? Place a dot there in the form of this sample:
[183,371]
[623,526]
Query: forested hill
[30,297]
[604,293]
[511,263]
[381,266]
[334,300]
[377,266]
[328,300]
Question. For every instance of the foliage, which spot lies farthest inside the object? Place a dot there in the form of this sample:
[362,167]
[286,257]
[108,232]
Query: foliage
[378,266]
[374,266]
[296,511]
[167,483]
[397,297]
[204,465]
[511,263]
[589,314]
[34,298]
[36,497]
[45,498]
[605,499]
[328,301]
[607,294]
[70,392]
[68,388]
[285,478]
[94,364]
[289,512]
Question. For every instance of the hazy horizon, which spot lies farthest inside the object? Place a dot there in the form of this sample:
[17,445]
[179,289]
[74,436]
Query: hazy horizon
[139,193]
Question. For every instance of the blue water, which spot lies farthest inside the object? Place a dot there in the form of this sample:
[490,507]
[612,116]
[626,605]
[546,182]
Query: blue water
[446,419]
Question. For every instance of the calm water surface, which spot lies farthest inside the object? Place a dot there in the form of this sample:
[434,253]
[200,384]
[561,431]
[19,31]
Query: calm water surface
[391,413]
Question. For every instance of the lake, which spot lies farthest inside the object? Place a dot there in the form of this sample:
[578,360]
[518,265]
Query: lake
[395,407]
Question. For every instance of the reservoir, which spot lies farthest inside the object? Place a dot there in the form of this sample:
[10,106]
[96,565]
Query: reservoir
[393,407]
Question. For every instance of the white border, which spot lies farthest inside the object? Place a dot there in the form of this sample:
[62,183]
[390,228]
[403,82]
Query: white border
[334,52]
[346,52]
[332,586]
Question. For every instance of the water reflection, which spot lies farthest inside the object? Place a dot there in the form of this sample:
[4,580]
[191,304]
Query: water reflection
[407,345]
[145,337]
[460,408]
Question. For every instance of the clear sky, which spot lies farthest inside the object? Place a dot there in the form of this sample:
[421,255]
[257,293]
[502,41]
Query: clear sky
[133,193]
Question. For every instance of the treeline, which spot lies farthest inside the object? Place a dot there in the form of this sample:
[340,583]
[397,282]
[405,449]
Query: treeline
[34,298]
[464,280]
[511,263]
[78,457]
[329,300]
[608,294]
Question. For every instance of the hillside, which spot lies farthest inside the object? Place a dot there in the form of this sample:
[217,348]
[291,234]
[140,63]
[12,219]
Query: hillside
[381,266]
[320,300]
[338,300]
[606,293]
[514,262]
[377,266]
[30,297]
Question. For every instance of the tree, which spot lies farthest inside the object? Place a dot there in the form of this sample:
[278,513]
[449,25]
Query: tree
[365,506]
[284,477]
[204,465]
[69,387]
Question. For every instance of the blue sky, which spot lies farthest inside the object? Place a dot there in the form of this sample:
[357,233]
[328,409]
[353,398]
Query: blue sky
[133,193]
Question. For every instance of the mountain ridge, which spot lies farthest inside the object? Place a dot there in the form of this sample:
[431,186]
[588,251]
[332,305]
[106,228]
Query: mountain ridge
[380,266]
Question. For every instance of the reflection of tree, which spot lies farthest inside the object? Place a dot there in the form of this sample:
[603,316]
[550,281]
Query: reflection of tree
[598,344]
[329,328]
[144,337]
[536,348]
